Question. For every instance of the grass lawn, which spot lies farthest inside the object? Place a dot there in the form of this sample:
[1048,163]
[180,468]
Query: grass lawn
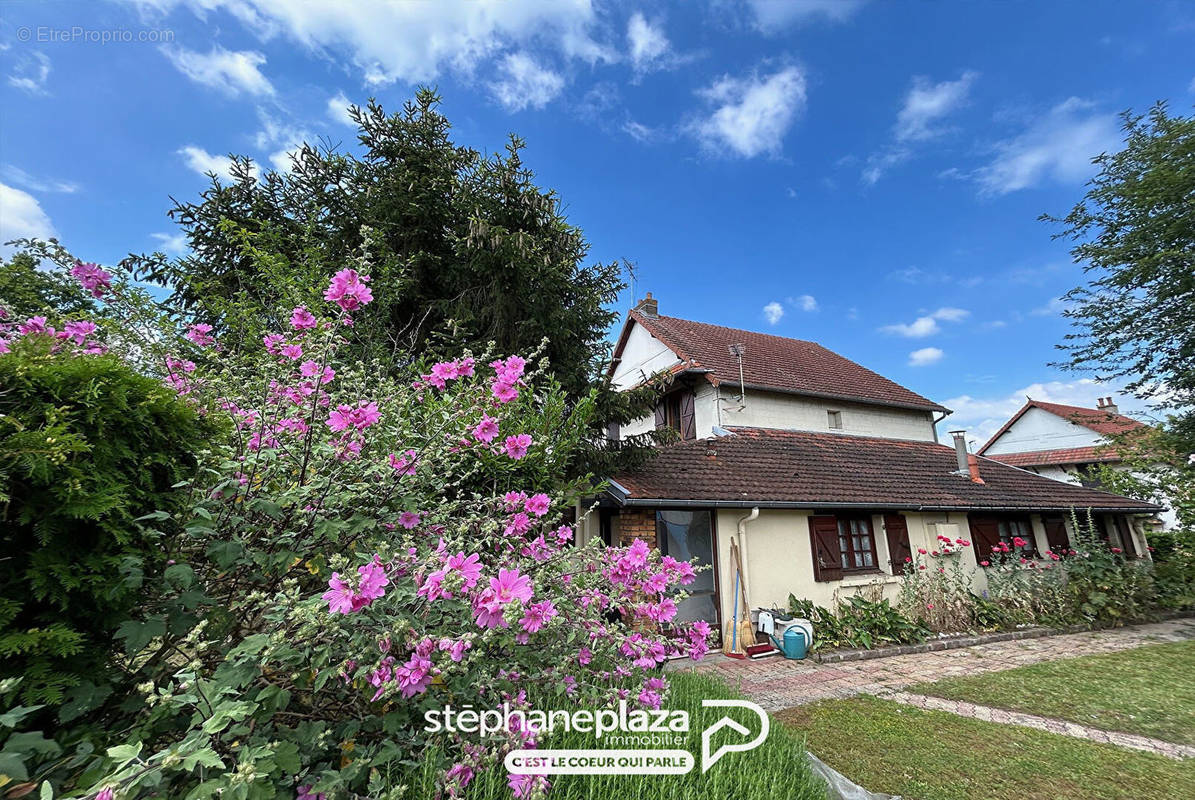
[1148,690]
[776,770]
[932,755]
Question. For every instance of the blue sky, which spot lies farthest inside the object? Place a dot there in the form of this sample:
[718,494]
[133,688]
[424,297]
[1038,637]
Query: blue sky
[864,174]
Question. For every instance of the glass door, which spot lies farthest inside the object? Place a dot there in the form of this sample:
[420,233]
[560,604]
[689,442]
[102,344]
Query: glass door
[689,535]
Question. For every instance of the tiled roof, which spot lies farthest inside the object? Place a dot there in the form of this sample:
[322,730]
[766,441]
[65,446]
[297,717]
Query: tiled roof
[1042,458]
[803,469]
[777,363]
[1102,422]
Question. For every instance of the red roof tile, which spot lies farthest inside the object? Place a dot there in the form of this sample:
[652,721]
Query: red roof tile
[1102,422]
[807,470]
[776,363]
[1073,455]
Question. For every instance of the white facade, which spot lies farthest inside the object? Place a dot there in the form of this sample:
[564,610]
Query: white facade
[1038,429]
[642,356]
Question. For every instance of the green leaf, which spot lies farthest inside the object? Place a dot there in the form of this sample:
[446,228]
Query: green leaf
[124,752]
[137,634]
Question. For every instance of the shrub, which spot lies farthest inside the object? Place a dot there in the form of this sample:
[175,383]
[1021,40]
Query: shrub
[87,445]
[937,591]
[857,623]
[362,548]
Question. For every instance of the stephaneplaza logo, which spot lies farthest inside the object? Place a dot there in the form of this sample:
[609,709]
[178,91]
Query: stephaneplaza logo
[638,741]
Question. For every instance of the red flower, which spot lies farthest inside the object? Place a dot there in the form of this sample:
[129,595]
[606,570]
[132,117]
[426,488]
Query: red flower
[1117,550]
[984,564]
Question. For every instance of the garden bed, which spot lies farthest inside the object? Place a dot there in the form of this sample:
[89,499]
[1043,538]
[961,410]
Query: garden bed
[956,641]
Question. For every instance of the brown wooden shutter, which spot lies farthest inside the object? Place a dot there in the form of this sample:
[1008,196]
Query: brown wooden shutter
[1126,537]
[827,557]
[1056,536]
[661,416]
[688,416]
[985,536]
[898,542]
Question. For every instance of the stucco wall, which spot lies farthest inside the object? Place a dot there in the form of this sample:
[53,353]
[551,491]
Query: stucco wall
[642,356]
[796,412]
[1040,430]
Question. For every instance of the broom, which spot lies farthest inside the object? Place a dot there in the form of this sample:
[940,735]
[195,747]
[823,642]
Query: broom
[738,630]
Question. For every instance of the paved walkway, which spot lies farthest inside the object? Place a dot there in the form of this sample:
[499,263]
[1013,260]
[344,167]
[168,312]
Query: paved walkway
[777,683]
[988,714]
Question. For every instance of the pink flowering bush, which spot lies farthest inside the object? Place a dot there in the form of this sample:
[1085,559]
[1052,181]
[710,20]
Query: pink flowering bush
[368,543]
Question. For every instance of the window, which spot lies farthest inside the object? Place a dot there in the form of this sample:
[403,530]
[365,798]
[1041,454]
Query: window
[841,544]
[1013,530]
[677,411]
[857,545]
[835,419]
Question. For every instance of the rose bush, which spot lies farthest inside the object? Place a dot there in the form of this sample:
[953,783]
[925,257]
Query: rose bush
[367,543]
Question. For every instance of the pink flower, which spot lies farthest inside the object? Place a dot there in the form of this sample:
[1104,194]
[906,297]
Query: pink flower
[537,616]
[94,279]
[1017,541]
[293,351]
[348,290]
[523,786]
[518,524]
[510,370]
[649,699]
[468,566]
[301,319]
[504,392]
[4,346]
[512,500]
[1117,550]
[921,550]
[486,430]
[538,504]
[984,564]
[360,417]
[510,586]
[406,463]
[107,794]
[373,581]
[271,341]
[516,446]
[310,369]
[201,334]
[305,793]
[33,325]
[410,519]
[79,330]
[339,596]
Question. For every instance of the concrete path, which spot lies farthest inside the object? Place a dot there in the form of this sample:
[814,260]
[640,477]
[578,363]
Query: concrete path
[776,683]
[988,714]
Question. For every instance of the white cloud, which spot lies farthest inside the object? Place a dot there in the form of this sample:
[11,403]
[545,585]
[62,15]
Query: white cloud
[927,103]
[338,109]
[752,114]
[981,417]
[1059,147]
[525,83]
[415,42]
[21,216]
[283,139]
[204,162]
[647,43]
[20,177]
[172,244]
[925,357]
[639,132]
[229,71]
[772,312]
[772,14]
[805,302]
[927,325]
[1056,306]
[31,73]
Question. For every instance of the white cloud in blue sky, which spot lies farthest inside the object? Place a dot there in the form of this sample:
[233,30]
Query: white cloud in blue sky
[925,357]
[880,158]
[750,115]
[230,72]
[21,216]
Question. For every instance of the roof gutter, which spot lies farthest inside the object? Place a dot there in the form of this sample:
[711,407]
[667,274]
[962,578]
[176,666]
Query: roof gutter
[626,500]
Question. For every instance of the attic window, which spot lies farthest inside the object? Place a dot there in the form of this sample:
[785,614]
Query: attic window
[835,419]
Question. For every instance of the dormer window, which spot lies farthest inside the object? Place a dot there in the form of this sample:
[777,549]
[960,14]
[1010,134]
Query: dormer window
[677,411]
[835,419]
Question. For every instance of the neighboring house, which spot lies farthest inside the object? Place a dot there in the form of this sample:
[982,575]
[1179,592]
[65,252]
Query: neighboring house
[829,475]
[1064,442]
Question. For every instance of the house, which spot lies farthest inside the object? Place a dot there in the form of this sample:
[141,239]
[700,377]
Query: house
[828,475]
[1064,442]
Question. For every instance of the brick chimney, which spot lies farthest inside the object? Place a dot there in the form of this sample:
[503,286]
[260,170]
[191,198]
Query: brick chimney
[973,468]
[1105,404]
[648,306]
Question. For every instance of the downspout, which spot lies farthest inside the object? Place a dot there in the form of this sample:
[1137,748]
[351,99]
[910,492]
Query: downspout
[742,540]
